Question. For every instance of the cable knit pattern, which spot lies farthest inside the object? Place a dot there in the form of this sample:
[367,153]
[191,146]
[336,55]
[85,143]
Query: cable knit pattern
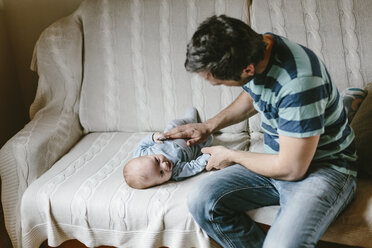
[10,196]
[98,205]
[196,82]
[63,128]
[245,12]
[192,15]
[46,193]
[311,21]
[111,98]
[20,148]
[167,81]
[220,7]
[156,209]
[138,64]
[84,193]
[146,51]
[62,133]
[119,207]
[226,92]
[277,18]
[350,43]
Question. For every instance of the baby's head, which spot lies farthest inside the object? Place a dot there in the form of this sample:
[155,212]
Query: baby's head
[147,171]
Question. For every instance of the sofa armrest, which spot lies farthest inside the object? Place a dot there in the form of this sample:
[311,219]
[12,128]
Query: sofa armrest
[54,127]
[30,153]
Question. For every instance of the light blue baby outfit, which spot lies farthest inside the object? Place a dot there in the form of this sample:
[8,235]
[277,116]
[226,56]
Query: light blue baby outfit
[187,160]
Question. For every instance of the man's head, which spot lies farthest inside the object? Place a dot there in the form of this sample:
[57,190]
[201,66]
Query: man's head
[224,47]
[147,171]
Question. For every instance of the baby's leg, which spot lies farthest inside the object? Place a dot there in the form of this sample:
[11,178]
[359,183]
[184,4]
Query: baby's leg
[191,116]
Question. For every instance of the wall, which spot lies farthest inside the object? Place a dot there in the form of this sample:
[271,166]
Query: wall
[21,23]
[12,115]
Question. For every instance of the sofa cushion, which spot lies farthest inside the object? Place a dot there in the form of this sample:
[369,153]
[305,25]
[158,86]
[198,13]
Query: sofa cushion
[84,196]
[362,125]
[134,75]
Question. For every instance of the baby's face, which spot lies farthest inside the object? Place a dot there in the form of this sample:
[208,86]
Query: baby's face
[158,169]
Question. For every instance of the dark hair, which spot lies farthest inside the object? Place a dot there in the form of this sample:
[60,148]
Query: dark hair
[224,46]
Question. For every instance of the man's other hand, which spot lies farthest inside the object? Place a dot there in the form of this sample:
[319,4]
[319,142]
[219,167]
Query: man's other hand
[219,157]
[195,133]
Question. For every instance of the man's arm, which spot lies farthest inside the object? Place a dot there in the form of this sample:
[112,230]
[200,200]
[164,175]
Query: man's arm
[290,164]
[239,110]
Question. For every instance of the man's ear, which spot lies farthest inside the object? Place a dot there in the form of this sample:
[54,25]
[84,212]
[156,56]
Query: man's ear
[248,71]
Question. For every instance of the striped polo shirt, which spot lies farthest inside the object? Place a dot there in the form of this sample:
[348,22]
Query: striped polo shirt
[296,97]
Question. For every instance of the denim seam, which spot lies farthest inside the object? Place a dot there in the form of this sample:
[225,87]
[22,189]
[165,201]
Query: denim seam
[347,181]
[225,238]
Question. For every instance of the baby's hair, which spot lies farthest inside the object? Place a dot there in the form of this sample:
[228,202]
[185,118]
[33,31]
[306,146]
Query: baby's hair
[133,179]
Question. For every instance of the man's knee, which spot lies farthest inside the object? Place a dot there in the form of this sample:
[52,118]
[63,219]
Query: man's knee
[286,241]
[199,200]
[193,204]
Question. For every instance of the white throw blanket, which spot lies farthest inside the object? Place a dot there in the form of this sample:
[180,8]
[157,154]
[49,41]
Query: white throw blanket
[111,66]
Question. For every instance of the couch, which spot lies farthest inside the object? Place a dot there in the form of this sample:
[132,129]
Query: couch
[112,72]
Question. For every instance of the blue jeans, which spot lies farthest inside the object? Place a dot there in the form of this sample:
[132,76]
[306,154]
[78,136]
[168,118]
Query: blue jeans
[307,207]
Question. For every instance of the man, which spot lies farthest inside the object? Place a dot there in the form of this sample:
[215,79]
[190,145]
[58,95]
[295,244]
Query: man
[308,165]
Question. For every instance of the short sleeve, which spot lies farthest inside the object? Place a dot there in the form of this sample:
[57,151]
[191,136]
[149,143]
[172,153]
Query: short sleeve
[301,109]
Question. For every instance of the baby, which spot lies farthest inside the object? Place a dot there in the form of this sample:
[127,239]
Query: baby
[157,160]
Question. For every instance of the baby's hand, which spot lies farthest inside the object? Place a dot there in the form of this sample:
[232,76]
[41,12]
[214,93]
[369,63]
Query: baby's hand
[158,137]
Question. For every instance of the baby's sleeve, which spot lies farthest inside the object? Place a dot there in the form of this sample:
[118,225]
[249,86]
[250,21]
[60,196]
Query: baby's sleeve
[187,169]
[143,146]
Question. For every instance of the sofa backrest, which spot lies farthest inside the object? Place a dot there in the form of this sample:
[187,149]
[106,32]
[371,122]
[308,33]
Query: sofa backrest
[134,53]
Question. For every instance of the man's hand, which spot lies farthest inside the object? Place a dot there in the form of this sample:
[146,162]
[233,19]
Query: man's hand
[219,157]
[158,137]
[194,132]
